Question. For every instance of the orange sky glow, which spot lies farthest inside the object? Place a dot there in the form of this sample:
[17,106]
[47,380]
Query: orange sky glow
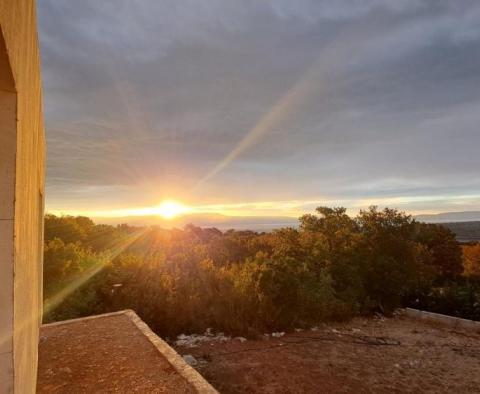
[171,208]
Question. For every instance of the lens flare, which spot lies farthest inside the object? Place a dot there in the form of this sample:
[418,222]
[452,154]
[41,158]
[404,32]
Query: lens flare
[116,249]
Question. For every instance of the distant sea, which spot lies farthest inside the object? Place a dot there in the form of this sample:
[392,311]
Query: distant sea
[260,227]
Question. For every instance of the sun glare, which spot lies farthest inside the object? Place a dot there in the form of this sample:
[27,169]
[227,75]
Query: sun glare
[171,209]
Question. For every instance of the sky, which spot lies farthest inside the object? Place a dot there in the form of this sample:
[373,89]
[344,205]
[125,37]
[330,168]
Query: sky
[261,107]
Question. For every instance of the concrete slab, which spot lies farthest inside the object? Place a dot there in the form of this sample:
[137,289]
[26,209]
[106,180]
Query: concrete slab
[115,352]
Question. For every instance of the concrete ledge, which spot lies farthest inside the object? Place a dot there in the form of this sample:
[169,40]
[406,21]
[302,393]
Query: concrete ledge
[188,373]
[177,362]
[448,321]
[81,319]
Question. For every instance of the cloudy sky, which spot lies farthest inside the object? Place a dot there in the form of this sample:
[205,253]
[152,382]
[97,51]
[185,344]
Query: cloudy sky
[261,107]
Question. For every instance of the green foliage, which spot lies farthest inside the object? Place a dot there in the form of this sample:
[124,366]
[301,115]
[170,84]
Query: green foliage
[64,264]
[67,228]
[242,282]
[287,293]
[460,298]
[83,231]
[389,264]
[446,256]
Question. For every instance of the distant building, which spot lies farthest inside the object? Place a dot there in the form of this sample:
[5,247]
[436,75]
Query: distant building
[22,156]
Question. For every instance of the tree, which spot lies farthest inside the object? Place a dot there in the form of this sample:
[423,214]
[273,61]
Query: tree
[65,228]
[446,254]
[337,227]
[60,263]
[471,260]
[389,262]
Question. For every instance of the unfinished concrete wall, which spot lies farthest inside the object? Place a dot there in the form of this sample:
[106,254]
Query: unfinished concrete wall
[8,114]
[21,196]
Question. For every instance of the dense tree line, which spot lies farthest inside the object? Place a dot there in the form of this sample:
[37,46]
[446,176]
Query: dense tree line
[331,267]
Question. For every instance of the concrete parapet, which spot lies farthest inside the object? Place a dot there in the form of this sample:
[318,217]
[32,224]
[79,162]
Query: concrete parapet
[437,318]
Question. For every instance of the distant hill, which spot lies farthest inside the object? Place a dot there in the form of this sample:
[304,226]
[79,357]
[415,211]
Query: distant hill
[465,225]
[465,231]
[467,216]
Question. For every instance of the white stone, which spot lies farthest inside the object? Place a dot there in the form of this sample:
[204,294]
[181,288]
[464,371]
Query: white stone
[190,360]
[278,334]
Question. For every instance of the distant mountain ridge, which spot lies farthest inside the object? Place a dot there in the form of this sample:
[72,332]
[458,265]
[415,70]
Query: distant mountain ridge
[446,217]
[464,231]
[465,225]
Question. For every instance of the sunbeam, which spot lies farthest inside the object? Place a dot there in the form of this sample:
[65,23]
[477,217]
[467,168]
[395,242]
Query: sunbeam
[319,78]
[51,303]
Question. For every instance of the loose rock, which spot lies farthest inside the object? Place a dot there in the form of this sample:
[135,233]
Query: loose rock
[190,360]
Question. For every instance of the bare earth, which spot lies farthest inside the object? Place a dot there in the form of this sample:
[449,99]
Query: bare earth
[103,355]
[380,355]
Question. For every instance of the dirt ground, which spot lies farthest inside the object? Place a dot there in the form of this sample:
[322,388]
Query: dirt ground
[103,355]
[380,355]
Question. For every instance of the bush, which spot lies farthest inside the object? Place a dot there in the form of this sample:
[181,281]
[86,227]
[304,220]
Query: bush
[460,299]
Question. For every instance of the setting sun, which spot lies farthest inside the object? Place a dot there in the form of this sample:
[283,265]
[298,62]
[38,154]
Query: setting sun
[171,209]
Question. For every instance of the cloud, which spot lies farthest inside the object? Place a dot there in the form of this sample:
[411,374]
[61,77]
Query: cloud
[315,10]
[145,98]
